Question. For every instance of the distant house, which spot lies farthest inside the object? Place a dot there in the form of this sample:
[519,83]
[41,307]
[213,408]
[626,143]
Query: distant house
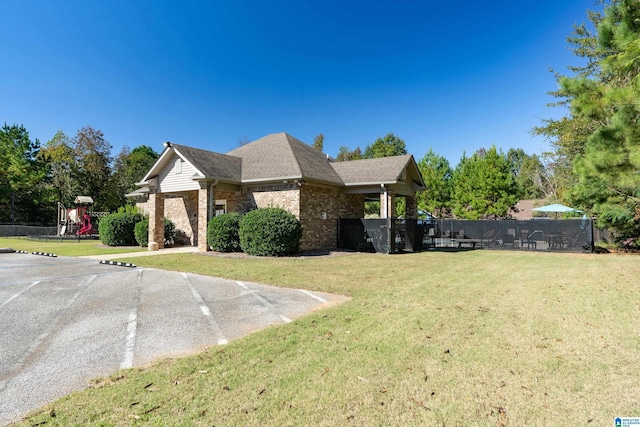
[190,186]
[524,208]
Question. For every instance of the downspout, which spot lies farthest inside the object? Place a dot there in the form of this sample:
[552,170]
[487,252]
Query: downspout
[211,200]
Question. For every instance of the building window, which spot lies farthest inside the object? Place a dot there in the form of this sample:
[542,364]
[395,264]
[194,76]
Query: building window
[178,167]
[220,207]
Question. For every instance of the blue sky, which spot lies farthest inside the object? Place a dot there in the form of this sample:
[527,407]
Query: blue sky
[454,76]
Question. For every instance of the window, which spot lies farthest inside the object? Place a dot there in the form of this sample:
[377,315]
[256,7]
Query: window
[178,167]
[220,207]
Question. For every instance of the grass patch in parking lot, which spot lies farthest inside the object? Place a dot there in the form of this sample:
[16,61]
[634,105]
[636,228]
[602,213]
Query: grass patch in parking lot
[435,338]
[65,247]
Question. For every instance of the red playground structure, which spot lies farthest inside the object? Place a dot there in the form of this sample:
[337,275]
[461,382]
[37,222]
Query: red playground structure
[77,221]
[86,225]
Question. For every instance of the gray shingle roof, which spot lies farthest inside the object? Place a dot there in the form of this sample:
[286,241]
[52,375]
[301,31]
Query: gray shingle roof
[281,156]
[369,171]
[212,165]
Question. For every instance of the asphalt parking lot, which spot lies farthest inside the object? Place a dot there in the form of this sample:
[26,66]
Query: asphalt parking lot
[67,320]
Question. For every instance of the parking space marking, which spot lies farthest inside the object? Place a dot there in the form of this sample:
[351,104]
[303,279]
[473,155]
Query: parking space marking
[130,342]
[19,293]
[204,308]
[132,328]
[312,295]
[264,302]
[43,336]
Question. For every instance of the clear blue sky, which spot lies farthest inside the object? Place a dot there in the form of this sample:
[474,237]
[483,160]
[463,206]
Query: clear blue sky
[455,76]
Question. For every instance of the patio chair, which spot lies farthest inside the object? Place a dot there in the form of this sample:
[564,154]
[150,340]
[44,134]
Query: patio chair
[431,235]
[531,240]
[508,240]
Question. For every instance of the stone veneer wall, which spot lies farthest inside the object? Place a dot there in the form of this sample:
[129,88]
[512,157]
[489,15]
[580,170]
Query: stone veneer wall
[320,209]
[234,199]
[307,203]
[183,211]
[285,196]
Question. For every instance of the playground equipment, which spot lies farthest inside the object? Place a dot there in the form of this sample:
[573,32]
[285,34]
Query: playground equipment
[77,221]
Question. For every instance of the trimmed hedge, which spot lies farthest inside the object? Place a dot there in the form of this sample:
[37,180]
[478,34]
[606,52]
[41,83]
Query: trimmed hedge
[117,229]
[270,232]
[223,232]
[141,232]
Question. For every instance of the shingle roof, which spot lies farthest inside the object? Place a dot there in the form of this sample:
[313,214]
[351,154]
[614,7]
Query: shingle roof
[368,171]
[281,156]
[212,165]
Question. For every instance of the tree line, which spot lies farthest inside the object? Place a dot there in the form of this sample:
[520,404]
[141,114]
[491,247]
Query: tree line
[35,177]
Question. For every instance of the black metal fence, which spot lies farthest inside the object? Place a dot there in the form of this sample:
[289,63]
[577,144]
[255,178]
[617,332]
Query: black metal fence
[395,235]
[26,230]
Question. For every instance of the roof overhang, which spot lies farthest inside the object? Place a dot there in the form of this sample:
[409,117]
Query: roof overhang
[83,200]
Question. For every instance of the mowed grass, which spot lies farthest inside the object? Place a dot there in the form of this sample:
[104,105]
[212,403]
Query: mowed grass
[473,338]
[65,247]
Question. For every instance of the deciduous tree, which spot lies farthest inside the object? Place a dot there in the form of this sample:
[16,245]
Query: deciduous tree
[389,145]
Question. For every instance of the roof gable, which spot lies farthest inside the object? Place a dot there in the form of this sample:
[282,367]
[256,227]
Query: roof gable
[212,165]
[281,156]
[207,164]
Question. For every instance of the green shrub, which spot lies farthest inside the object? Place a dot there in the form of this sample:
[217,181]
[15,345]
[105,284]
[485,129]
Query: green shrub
[169,232]
[270,232]
[141,232]
[223,232]
[118,229]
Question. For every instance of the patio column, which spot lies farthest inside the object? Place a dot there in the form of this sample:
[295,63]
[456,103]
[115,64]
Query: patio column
[205,194]
[387,204]
[412,207]
[156,221]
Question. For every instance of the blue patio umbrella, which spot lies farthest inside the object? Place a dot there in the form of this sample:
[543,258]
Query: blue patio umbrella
[556,208]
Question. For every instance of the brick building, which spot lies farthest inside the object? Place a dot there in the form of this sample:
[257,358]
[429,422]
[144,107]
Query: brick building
[190,185]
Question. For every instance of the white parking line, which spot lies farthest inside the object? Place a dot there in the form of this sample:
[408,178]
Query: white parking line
[19,293]
[312,295]
[205,310]
[130,342]
[43,336]
[132,328]
[266,303]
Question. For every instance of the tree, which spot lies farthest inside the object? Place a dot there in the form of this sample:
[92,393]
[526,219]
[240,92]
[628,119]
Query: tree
[389,145]
[437,175]
[528,172]
[604,107]
[20,169]
[130,166]
[568,135]
[57,154]
[344,154]
[318,142]
[483,186]
[91,167]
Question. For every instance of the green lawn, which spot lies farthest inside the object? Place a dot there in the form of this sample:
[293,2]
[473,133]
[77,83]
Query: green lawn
[473,338]
[65,247]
